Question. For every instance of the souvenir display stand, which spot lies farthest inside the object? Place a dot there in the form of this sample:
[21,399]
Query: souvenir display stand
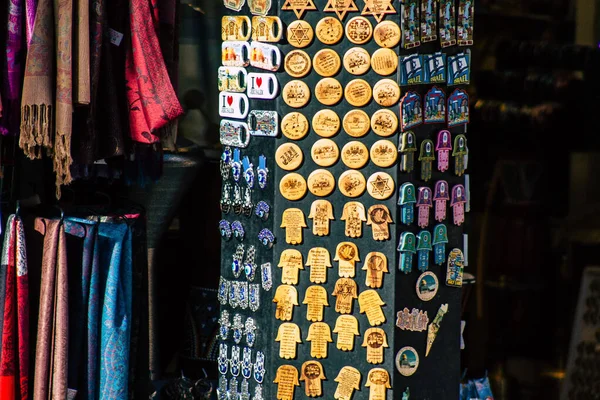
[346,305]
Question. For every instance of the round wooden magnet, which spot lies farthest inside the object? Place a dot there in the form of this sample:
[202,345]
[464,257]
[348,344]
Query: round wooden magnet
[355,154]
[352,183]
[300,34]
[387,34]
[297,63]
[296,94]
[325,152]
[359,30]
[386,92]
[329,30]
[358,92]
[383,153]
[384,122]
[329,91]
[289,156]
[326,123]
[327,62]
[294,125]
[321,182]
[380,185]
[357,61]
[384,61]
[356,123]
[292,186]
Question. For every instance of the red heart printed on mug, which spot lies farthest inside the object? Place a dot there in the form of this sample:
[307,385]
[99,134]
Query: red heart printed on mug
[229,100]
[259,81]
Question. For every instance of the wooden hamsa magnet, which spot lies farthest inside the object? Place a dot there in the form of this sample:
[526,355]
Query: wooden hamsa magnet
[318,260]
[290,262]
[319,335]
[315,298]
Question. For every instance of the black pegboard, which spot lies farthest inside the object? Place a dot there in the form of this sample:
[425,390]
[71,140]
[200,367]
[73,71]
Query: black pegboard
[438,374]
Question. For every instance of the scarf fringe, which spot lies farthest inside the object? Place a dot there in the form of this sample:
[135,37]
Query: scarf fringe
[62,161]
[35,130]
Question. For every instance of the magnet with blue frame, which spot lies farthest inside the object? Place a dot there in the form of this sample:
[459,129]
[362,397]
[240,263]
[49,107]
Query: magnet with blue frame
[455,269]
[460,153]
[429,20]
[435,106]
[458,108]
[406,201]
[412,71]
[434,66]
[459,198]
[411,25]
[423,250]
[411,113]
[266,237]
[426,157]
[424,204]
[466,13]
[262,209]
[441,195]
[407,149]
[406,247]
[447,23]
[440,238]
[443,147]
[459,69]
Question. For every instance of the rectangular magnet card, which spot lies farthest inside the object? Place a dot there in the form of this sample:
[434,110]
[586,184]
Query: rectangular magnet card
[411,25]
[459,69]
[412,72]
[447,23]
[434,66]
[429,20]
[466,9]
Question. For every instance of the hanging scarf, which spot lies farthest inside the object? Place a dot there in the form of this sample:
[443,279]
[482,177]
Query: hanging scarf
[82,61]
[115,328]
[79,294]
[12,77]
[63,10]
[14,365]
[152,99]
[37,104]
[51,365]
[30,7]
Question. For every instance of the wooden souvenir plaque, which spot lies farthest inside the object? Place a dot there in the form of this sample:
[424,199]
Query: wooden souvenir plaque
[321,212]
[312,374]
[348,381]
[318,260]
[345,292]
[288,336]
[370,303]
[375,266]
[315,299]
[286,297]
[290,262]
[293,222]
[347,255]
[287,380]
[346,326]
[375,341]
[378,381]
[319,335]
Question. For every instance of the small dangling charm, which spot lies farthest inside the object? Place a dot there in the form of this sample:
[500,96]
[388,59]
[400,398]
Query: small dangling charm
[236,166]
[427,157]
[225,163]
[236,265]
[440,238]
[458,204]
[406,247]
[237,199]
[248,172]
[222,359]
[250,265]
[250,328]
[238,328]
[224,325]
[234,362]
[246,364]
[441,196]
[262,172]
[226,198]
[460,154]
[225,229]
[247,207]
[424,203]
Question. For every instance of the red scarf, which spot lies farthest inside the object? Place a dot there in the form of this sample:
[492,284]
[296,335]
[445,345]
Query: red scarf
[152,99]
[14,367]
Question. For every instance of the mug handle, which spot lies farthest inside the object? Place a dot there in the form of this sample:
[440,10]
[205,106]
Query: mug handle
[248,27]
[242,78]
[246,104]
[277,60]
[279,29]
[246,46]
[275,83]
[244,135]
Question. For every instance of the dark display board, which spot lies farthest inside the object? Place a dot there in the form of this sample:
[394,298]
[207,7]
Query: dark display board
[438,374]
